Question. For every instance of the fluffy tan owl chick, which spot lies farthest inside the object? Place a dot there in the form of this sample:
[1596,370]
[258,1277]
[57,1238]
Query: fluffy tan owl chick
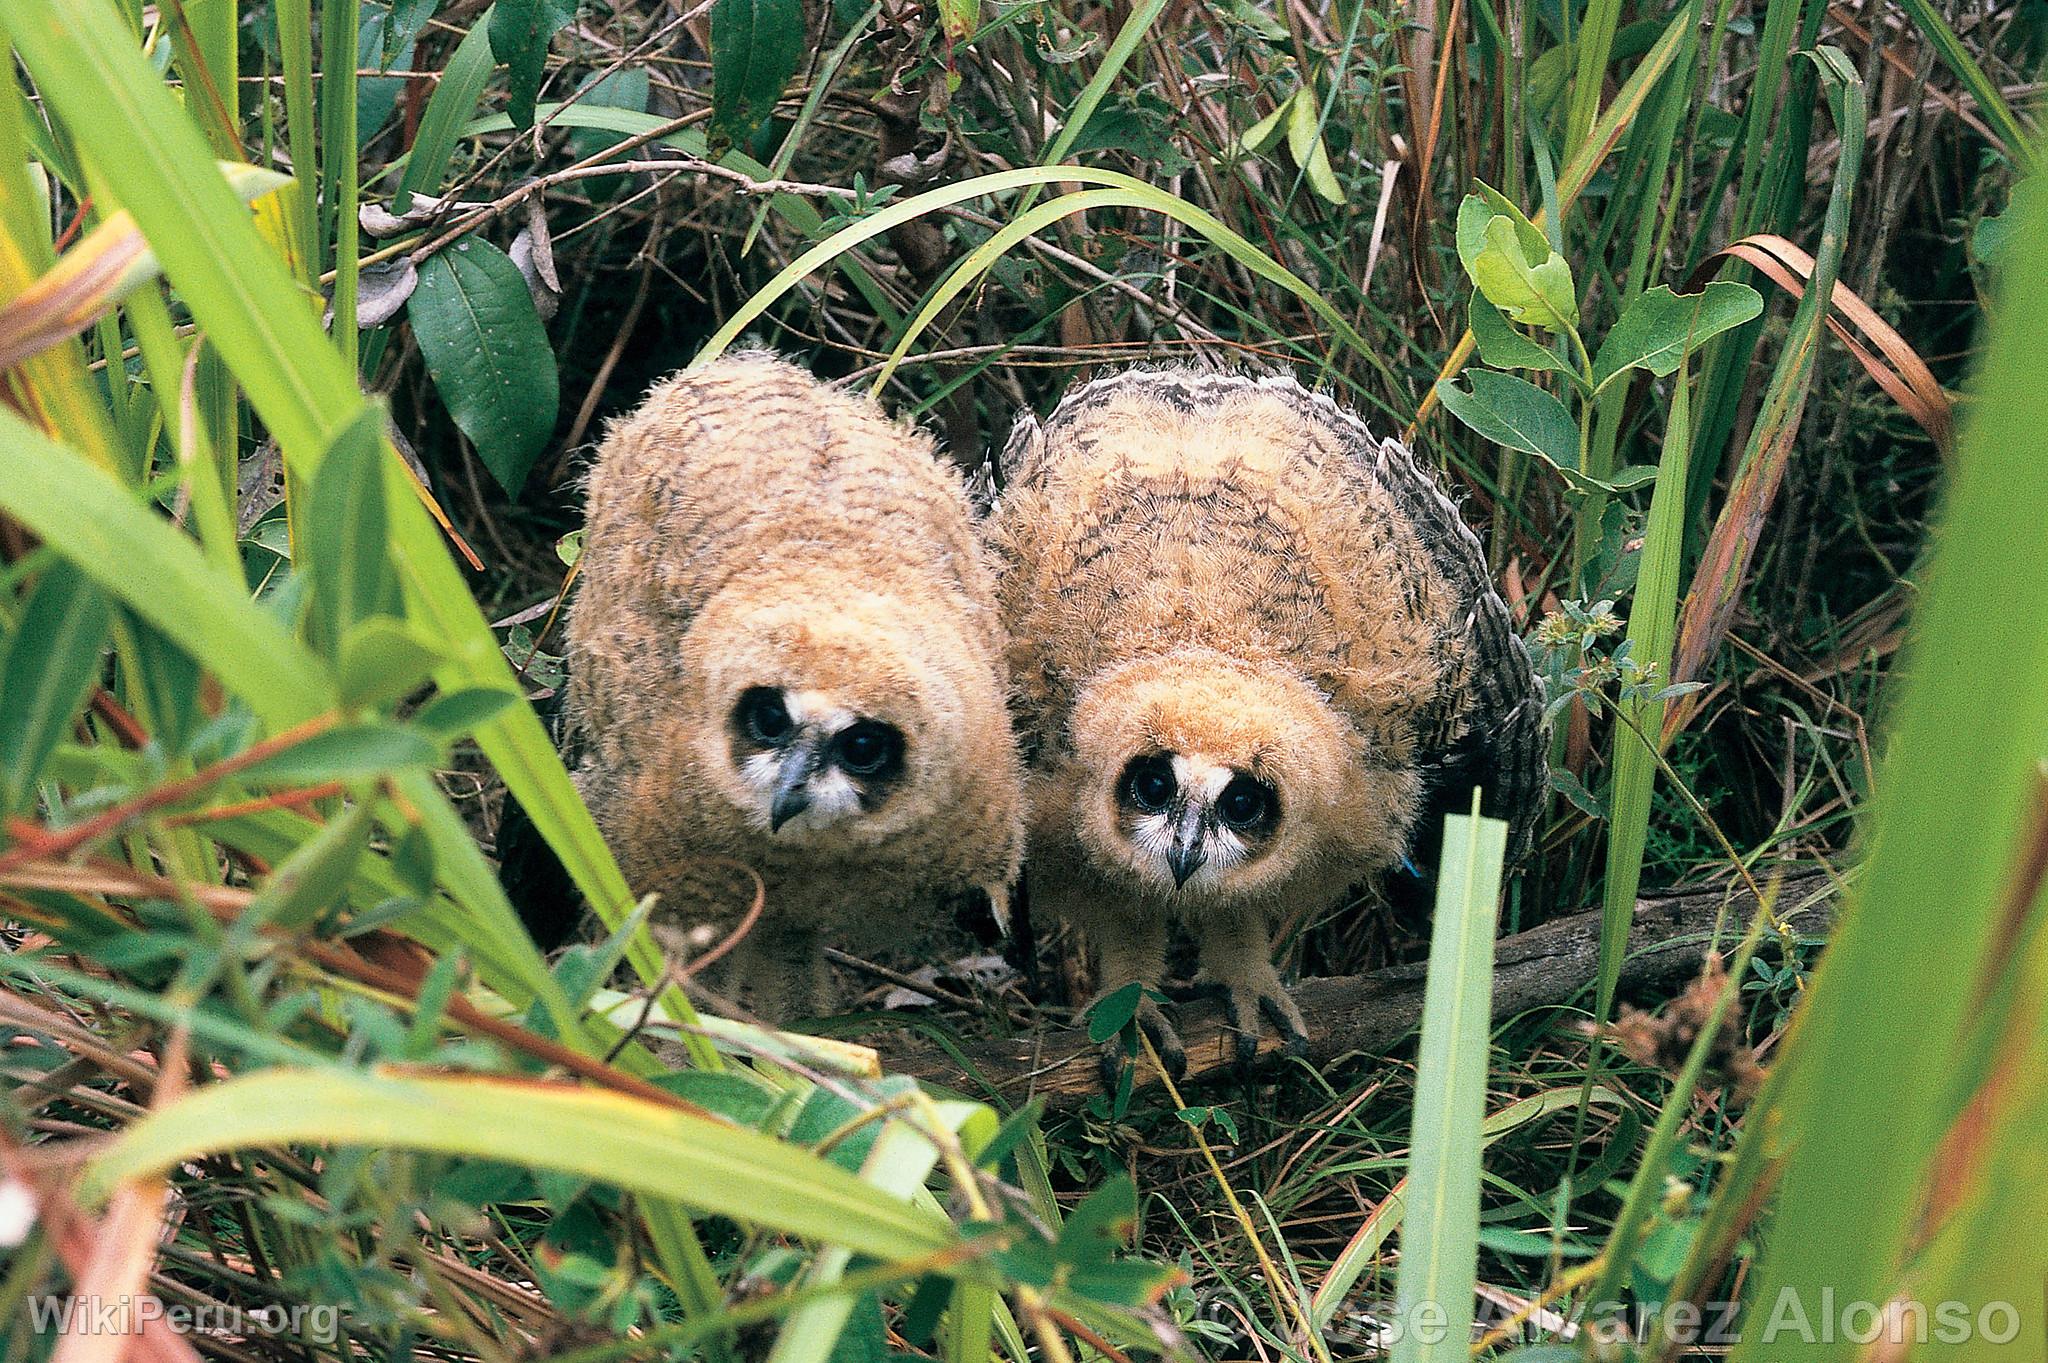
[785,656]
[1252,644]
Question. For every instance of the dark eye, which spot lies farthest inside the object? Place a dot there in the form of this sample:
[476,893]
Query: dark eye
[1149,783]
[1245,803]
[763,717]
[868,747]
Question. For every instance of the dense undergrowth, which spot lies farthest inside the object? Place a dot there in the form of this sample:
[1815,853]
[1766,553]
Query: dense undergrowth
[277,1039]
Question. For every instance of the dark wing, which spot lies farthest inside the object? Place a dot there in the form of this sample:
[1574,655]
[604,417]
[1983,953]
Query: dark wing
[1492,734]
[534,878]
[1502,745]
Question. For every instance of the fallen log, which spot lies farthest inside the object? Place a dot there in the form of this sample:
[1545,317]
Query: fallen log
[1351,1015]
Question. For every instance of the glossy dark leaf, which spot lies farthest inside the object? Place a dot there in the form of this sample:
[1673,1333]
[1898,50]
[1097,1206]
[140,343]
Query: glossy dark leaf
[756,46]
[488,354]
[520,32]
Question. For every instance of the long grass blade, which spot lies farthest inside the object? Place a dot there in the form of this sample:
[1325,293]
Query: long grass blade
[1440,1232]
[1902,988]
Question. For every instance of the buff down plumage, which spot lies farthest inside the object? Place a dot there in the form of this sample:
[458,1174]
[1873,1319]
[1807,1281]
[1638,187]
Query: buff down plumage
[1256,649]
[785,659]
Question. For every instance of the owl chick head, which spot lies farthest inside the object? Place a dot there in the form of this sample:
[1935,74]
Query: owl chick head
[1203,776]
[831,726]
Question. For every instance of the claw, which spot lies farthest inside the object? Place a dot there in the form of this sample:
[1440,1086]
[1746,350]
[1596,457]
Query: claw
[1247,1001]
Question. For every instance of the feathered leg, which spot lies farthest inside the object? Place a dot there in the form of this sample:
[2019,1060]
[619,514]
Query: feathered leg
[1237,957]
[1131,949]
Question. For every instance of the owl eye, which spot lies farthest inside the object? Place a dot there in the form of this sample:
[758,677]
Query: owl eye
[763,716]
[1149,783]
[868,748]
[1246,802]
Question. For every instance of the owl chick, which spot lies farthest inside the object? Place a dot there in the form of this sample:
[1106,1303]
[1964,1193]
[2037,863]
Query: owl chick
[1252,644]
[785,657]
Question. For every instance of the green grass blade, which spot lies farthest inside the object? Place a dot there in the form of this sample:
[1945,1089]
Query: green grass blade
[1141,195]
[340,21]
[1113,62]
[900,1162]
[82,512]
[1595,45]
[1652,624]
[454,99]
[1440,1232]
[2019,143]
[1895,996]
[295,45]
[688,1157]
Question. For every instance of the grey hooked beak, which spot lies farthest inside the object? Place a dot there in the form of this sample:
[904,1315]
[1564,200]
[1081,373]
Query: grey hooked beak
[1186,855]
[792,795]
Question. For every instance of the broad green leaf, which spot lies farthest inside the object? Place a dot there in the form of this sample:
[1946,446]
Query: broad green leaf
[756,46]
[343,533]
[1478,210]
[1533,290]
[1440,1230]
[452,715]
[455,97]
[686,1157]
[1516,414]
[53,661]
[488,352]
[1501,346]
[314,880]
[520,31]
[383,659]
[1656,330]
[348,752]
[1268,130]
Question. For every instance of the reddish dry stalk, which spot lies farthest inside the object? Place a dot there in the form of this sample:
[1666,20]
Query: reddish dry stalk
[41,843]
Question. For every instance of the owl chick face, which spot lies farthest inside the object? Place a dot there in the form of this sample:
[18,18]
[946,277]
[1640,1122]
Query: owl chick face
[1198,818]
[825,730]
[1204,778]
[810,761]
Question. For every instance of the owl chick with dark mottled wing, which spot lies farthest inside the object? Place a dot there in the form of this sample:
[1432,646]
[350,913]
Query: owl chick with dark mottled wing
[785,656]
[1254,648]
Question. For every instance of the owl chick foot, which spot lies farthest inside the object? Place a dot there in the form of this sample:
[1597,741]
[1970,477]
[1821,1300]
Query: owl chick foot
[1151,1018]
[1260,993]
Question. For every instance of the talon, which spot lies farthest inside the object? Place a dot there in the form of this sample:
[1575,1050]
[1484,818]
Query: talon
[1286,1020]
